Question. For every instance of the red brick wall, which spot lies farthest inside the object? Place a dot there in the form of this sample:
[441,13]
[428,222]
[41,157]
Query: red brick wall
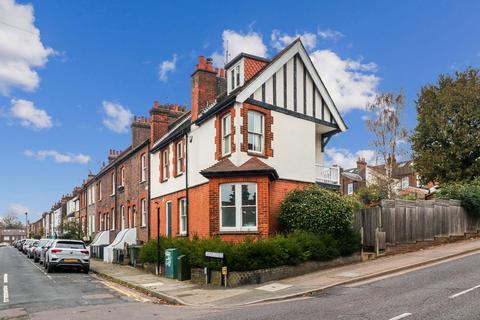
[218,130]
[198,222]
[278,190]
[268,134]
[252,67]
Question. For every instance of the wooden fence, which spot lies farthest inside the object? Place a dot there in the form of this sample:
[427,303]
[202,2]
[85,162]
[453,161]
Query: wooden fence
[410,221]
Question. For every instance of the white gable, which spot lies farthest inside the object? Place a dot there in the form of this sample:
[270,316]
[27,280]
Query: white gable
[291,82]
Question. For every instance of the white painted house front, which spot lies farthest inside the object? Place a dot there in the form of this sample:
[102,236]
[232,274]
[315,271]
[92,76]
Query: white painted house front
[251,136]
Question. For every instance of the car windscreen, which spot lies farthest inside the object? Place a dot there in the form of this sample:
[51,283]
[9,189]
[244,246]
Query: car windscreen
[69,245]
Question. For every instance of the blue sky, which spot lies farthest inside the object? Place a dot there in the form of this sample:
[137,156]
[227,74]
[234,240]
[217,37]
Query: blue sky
[66,94]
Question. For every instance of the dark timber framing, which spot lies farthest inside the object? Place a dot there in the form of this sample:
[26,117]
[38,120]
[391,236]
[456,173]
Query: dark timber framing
[292,113]
[274,88]
[304,89]
[327,136]
[314,94]
[285,86]
[323,109]
[263,92]
[295,83]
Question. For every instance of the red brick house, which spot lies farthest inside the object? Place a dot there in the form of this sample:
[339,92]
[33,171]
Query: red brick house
[254,133]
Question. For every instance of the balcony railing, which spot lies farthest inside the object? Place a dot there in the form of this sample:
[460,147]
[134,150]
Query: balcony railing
[329,175]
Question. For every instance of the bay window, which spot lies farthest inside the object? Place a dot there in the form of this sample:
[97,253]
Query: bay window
[255,131]
[226,134]
[238,207]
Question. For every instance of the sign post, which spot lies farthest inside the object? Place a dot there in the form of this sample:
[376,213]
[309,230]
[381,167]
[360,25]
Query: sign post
[216,255]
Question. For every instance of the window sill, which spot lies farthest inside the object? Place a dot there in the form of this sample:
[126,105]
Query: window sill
[142,182]
[178,174]
[257,154]
[252,232]
[181,235]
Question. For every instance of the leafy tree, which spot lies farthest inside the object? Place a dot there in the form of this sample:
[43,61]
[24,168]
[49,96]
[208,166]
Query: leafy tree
[317,210]
[385,125]
[71,230]
[10,221]
[446,140]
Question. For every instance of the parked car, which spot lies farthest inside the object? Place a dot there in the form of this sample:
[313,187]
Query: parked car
[32,247]
[67,254]
[3,244]
[19,244]
[38,249]
[26,245]
[43,251]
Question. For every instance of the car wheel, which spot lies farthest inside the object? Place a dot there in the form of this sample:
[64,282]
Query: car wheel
[49,268]
[35,259]
[86,270]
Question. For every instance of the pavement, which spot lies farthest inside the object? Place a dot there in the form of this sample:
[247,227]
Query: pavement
[444,288]
[188,294]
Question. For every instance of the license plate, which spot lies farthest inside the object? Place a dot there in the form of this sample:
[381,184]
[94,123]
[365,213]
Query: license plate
[70,260]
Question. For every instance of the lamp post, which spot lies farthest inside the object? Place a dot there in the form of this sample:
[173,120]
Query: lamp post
[158,238]
[26,225]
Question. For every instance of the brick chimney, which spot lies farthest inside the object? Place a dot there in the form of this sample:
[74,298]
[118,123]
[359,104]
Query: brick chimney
[362,167]
[161,117]
[205,86]
[112,155]
[140,130]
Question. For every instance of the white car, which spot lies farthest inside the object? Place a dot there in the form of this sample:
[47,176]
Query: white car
[67,254]
[3,244]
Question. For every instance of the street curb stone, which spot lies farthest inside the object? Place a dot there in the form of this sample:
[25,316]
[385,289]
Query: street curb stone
[177,301]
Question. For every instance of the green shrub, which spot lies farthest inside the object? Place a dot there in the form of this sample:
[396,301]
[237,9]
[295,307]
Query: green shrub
[371,195]
[467,192]
[316,210]
[290,249]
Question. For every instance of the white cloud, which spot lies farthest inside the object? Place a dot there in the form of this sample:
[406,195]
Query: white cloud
[330,34]
[346,159]
[18,210]
[238,42]
[280,41]
[166,67]
[351,83]
[21,50]
[117,118]
[29,115]
[58,157]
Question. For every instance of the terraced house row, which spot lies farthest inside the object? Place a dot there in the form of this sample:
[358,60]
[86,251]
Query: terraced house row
[255,131]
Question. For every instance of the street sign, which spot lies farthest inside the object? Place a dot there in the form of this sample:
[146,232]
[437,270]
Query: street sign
[218,255]
[224,271]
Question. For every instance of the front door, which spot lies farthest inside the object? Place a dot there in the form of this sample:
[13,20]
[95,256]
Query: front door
[169,219]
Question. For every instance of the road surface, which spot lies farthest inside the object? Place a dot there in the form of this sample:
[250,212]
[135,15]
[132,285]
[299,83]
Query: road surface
[449,290]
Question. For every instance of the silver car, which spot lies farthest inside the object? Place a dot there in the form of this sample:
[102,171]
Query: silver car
[43,251]
[68,254]
[31,248]
[38,249]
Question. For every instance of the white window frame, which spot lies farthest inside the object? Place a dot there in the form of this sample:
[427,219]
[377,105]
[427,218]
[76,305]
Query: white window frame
[99,190]
[165,162]
[405,182]
[419,183]
[113,219]
[238,208]
[114,185]
[134,208]
[180,168]
[350,188]
[226,124]
[182,217]
[143,168]
[166,217]
[143,204]
[256,134]
[122,177]
[122,215]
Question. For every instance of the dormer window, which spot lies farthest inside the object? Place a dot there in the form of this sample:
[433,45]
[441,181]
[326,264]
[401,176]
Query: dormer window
[235,76]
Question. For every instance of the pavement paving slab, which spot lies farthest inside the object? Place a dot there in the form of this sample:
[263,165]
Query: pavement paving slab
[187,293]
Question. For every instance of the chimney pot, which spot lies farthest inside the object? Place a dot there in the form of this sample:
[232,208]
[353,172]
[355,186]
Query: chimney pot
[155,104]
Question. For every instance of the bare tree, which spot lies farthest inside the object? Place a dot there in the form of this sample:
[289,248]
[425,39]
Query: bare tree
[10,221]
[385,125]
